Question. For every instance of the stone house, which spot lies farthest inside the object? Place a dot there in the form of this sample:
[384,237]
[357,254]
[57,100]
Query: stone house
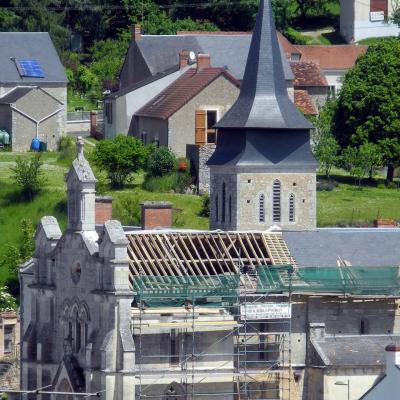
[33,89]
[362,19]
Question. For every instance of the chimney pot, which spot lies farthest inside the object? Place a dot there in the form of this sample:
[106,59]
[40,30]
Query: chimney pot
[103,207]
[203,61]
[156,215]
[136,32]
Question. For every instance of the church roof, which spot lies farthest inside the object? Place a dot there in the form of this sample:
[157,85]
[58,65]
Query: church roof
[263,101]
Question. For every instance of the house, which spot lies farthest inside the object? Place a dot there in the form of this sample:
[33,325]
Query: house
[362,19]
[388,383]
[33,90]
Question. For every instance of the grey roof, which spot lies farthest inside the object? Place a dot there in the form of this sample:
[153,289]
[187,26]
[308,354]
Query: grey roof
[161,53]
[14,95]
[361,247]
[263,101]
[353,350]
[29,45]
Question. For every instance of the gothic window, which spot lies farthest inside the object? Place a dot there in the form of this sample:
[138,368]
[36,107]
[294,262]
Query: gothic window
[174,349]
[216,208]
[230,209]
[261,208]
[276,201]
[223,201]
[78,335]
[292,215]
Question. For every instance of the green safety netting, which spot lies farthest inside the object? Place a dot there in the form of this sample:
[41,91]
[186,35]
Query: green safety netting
[363,281]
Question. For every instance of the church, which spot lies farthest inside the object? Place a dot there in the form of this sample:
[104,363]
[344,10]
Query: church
[239,311]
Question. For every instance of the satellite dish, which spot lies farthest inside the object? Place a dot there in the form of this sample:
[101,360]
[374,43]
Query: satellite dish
[192,57]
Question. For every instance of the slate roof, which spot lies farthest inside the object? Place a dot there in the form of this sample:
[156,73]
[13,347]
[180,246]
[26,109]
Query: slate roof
[307,73]
[14,95]
[332,57]
[353,350]
[359,246]
[175,96]
[29,45]
[302,99]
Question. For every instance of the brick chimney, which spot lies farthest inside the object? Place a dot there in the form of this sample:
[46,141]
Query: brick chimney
[203,61]
[103,207]
[156,215]
[136,32]
[183,59]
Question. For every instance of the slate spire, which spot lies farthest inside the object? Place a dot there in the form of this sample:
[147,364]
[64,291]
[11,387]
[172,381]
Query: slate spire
[263,101]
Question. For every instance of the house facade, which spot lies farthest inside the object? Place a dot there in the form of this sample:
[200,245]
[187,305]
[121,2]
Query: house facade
[362,19]
[33,90]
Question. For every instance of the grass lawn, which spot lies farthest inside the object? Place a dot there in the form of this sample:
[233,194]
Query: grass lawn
[345,205]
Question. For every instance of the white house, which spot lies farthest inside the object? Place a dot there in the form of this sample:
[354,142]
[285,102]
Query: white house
[361,19]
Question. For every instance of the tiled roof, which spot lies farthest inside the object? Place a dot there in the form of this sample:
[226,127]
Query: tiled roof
[332,57]
[302,99]
[288,47]
[307,74]
[175,96]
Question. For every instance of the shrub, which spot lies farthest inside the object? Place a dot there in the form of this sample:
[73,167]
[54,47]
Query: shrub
[161,162]
[326,186]
[177,182]
[205,206]
[127,209]
[28,175]
[67,150]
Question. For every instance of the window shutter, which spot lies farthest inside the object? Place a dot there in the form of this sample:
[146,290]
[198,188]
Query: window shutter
[379,5]
[200,126]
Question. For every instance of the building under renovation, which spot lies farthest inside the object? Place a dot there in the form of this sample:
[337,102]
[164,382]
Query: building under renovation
[247,312]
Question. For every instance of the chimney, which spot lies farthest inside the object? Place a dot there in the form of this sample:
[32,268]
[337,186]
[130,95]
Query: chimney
[203,61]
[392,359]
[156,215]
[183,59]
[136,32]
[103,207]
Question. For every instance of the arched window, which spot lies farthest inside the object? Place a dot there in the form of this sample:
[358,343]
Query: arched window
[223,202]
[216,208]
[292,214]
[230,209]
[276,201]
[261,208]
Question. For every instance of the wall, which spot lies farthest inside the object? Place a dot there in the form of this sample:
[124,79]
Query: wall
[319,95]
[218,95]
[155,128]
[335,78]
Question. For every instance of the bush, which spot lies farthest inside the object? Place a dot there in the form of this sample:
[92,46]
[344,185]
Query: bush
[161,162]
[205,206]
[127,210]
[296,37]
[177,182]
[326,186]
[67,150]
[28,175]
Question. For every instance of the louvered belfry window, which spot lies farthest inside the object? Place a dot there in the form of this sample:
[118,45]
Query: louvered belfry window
[276,201]
[261,208]
[292,214]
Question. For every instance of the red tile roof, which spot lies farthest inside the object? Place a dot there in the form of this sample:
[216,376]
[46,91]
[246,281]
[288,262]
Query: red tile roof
[333,56]
[288,47]
[181,91]
[302,99]
[307,74]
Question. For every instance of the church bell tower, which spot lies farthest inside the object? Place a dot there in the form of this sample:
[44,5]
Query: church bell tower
[263,172]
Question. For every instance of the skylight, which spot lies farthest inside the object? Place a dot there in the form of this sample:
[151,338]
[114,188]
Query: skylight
[30,69]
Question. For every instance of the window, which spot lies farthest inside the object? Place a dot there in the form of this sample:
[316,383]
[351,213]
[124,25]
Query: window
[174,349]
[211,121]
[276,201]
[295,57]
[8,338]
[157,141]
[143,137]
[230,209]
[78,333]
[223,201]
[109,113]
[261,208]
[216,209]
[331,92]
[292,215]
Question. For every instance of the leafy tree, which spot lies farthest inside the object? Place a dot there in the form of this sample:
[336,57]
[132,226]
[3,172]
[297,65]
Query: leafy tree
[161,162]
[28,175]
[317,6]
[7,301]
[369,103]
[120,157]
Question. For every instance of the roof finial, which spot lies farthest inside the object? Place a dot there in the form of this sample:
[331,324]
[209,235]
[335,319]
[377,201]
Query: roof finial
[79,147]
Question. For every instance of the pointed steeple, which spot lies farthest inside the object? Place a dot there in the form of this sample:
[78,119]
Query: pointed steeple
[263,101]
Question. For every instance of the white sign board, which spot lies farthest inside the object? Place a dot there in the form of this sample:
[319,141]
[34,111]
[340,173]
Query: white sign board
[266,311]
[377,16]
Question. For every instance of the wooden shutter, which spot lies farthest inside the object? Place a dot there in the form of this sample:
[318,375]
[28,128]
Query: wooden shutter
[200,127]
[379,5]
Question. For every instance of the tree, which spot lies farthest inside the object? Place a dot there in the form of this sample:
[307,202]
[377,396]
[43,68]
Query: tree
[368,105]
[120,157]
[161,162]
[28,175]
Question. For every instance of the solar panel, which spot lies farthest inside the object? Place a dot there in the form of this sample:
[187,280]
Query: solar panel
[30,69]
